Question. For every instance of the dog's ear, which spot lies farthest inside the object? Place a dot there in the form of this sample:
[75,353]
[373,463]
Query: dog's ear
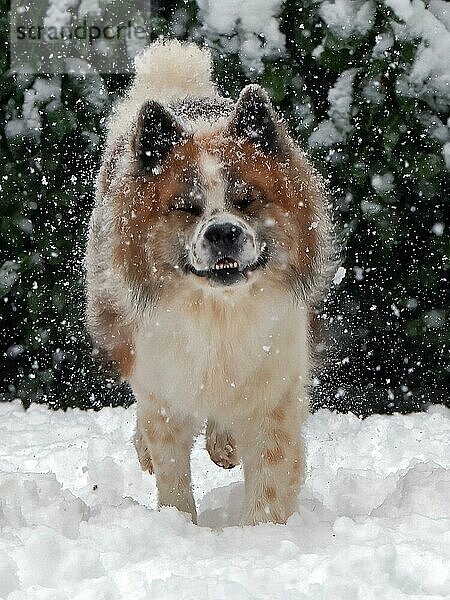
[255,120]
[157,132]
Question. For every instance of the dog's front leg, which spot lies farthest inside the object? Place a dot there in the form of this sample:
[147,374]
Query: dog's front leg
[169,439]
[273,457]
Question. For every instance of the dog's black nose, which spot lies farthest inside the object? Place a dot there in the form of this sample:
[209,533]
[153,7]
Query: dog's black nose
[224,235]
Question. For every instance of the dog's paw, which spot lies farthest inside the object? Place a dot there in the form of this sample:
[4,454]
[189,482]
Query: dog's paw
[221,446]
[145,460]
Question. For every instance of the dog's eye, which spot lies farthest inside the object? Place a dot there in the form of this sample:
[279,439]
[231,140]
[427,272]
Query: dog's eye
[244,201]
[186,206]
[246,197]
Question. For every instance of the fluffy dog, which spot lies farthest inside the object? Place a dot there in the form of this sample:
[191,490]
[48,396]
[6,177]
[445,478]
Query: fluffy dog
[208,244]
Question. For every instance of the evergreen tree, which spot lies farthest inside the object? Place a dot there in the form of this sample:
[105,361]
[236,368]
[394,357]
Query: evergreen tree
[349,84]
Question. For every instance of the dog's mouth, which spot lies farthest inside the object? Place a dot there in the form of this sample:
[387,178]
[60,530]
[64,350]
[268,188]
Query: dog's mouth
[227,270]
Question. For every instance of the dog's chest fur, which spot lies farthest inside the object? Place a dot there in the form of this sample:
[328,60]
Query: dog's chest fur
[216,358]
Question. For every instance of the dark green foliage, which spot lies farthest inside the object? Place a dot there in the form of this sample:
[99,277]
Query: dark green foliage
[46,197]
[387,319]
[389,314]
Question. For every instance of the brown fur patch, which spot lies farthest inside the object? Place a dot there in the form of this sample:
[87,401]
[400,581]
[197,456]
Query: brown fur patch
[278,413]
[281,436]
[138,206]
[114,334]
[167,437]
[151,431]
[273,456]
[296,466]
[123,356]
[270,493]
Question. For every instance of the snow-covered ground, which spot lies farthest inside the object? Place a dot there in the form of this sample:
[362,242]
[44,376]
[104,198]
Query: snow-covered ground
[78,518]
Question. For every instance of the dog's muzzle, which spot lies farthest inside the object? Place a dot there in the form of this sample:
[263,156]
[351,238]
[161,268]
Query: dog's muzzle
[228,252]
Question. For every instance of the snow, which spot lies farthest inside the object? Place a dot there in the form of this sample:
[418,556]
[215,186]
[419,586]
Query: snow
[339,126]
[251,28]
[58,13]
[339,275]
[438,229]
[428,78]
[78,518]
[348,17]
[42,91]
[382,183]
[430,74]
[446,154]
[370,208]
[427,21]
[434,319]
[8,275]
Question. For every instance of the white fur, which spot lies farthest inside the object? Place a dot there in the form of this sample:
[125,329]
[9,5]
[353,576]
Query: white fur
[210,170]
[205,362]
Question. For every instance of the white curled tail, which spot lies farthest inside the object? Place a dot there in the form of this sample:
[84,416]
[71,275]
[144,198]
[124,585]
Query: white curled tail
[165,71]
[169,70]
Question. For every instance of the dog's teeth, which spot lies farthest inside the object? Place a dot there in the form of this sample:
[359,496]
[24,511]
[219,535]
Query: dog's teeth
[229,264]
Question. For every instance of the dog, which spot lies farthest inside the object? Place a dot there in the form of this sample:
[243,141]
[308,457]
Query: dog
[208,246]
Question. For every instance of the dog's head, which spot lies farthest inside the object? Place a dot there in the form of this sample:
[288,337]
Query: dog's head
[219,209]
